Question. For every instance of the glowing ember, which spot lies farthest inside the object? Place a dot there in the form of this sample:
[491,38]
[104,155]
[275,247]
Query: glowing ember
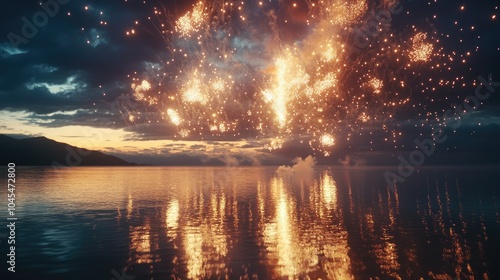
[191,21]
[327,140]
[421,51]
[174,117]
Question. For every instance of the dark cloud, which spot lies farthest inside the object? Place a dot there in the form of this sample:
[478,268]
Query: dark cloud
[198,147]
[175,145]
[103,119]
[151,131]
[39,100]
[60,50]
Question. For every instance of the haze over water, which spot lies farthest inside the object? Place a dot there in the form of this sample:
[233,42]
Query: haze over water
[218,222]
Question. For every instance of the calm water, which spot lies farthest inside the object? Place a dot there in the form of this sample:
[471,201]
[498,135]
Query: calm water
[225,223]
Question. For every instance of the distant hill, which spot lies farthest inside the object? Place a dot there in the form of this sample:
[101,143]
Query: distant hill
[41,151]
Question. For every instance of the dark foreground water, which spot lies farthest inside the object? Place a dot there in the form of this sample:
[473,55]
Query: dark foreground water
[227,223]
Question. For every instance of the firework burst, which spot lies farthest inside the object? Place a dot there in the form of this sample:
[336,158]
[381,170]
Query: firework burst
[235,71]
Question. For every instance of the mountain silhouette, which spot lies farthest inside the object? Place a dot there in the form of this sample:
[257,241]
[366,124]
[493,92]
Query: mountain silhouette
[41,151]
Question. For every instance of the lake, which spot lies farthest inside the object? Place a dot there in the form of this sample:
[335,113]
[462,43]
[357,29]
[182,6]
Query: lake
[250,223]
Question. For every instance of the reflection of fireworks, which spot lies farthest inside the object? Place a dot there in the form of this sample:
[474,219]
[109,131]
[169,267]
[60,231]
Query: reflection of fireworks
[233,76]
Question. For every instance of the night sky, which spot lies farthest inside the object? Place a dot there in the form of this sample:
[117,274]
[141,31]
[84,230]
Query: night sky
[259,82]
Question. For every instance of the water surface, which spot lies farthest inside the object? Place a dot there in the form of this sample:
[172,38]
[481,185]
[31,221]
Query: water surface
[227,223]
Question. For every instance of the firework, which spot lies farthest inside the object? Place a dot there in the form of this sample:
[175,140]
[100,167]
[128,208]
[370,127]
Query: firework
[421,51]
[235,73]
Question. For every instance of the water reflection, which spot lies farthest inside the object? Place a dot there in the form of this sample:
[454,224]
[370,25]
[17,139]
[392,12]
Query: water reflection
[275,228]
[195,222]
[172,219]
[141,243]
[253,224]
[309,241]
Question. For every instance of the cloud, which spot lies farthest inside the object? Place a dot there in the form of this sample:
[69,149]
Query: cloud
[302,170]
[59,59]
[8,50]
[83,117]
[151,131]
[44,68]
[71,85]
[198,147]
[95,38]
[38,100]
